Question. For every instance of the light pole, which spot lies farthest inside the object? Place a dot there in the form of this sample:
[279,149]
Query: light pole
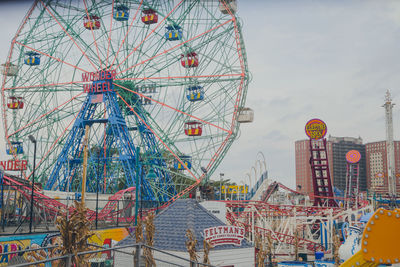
[137,184]
[97,184]
[2,196]
[220,185]
[33,140]
[152,177]
[243,189]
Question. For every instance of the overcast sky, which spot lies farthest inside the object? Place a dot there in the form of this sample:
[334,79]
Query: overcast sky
[332,60]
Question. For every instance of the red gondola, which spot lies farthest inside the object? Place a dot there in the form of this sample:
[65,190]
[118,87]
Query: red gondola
[91,22]
[15,102]
[193,128]
[149,16]
[190,60]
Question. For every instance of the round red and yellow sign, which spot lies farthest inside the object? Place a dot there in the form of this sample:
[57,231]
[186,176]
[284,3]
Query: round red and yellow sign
[316,129]
[353,156]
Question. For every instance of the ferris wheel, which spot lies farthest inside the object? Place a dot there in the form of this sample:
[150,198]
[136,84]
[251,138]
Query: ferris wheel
[156,86]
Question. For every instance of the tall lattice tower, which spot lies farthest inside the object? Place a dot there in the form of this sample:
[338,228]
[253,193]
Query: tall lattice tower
[390,144]
[323,191]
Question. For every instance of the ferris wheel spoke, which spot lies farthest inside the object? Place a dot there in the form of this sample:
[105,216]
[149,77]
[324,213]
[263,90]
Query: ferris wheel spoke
[129,29]
[71,38]
[41,85]
[158,137]
[176,46]
[170,107]
[53,144]
[47,55]
[149,34]
[110,30]
[94,38]
[169,78]
[219,151]
[31,122]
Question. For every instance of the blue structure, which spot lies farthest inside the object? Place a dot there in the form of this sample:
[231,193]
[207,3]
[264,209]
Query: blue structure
[121,13]
[112,158]
[195,93]
[173,33]
[32,58]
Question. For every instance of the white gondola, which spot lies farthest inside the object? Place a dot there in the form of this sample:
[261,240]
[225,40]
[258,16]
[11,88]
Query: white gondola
[246,115]
[226,6]
[12,69]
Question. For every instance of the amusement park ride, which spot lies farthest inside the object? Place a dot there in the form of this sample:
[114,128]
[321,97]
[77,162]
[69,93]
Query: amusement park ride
[92,73]
[158,88]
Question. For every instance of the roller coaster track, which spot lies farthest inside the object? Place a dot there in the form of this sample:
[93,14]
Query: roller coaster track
[53,207]
[273,187]
[242,208]
[280,237]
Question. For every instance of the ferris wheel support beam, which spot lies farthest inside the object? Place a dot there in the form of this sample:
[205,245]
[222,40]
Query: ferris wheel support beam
[117,134]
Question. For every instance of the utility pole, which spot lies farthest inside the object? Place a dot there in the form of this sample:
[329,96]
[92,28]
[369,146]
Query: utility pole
[33,140]
[220,185]
[85,156]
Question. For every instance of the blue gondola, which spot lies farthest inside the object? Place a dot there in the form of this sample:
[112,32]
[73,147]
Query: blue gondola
[195,93]
[121,13]
[32,58]
[16,147]
[173,33]
[186,160]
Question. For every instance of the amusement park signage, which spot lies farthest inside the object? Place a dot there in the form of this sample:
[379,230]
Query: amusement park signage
[234,189]
[98,76]
[102,82]
[316,129]
[353,156]
[224,235]
[14,165]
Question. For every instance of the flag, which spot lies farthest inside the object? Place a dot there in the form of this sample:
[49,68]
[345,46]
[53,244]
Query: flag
[97,98]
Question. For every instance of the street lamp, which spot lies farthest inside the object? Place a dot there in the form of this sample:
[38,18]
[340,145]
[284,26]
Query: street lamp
[220,185]
[137,184]
[97,184]
[33,140]
[151,176]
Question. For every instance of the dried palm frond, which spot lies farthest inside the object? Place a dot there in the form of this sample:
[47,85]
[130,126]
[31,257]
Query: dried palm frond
[296,245]
[270,246]
[75,231]
[207,247]
[138,236]
[150,230]
[336,245]
[262,252]
[191,245]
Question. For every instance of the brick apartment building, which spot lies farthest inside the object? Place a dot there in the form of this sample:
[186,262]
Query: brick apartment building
[337,147]
[377,166]
[373,164]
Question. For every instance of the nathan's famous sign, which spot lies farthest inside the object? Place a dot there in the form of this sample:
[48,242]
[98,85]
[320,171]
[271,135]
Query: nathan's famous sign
[316,129]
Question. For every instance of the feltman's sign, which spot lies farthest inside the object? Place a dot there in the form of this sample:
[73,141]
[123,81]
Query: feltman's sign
[224,235]
[14,165]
